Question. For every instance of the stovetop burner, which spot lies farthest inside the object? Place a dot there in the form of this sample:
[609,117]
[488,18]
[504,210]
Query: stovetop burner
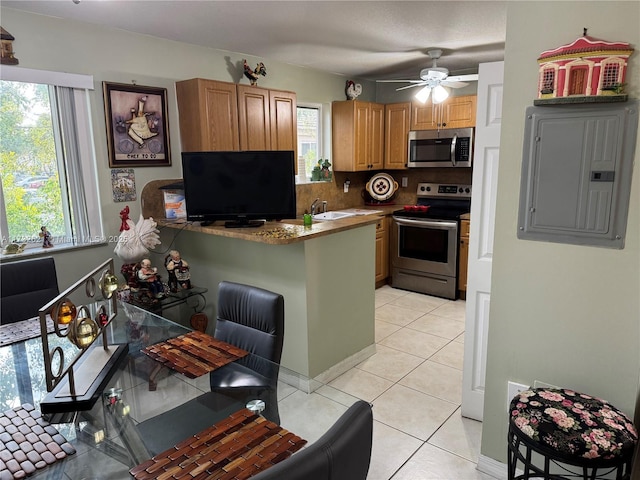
[443,201]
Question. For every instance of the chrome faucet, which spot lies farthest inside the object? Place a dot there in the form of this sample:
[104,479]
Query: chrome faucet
[313,206]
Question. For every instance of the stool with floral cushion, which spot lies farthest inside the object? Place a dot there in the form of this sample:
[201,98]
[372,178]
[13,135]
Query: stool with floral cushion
[582,436]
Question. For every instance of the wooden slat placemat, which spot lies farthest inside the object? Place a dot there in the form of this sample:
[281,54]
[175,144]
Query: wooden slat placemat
[194,353]
[22,330]
[236,448]
[28,443]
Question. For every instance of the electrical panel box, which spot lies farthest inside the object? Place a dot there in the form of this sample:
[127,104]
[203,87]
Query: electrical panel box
[576,173]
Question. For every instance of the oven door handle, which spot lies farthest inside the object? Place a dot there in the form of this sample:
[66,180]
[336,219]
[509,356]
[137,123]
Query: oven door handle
[443,225]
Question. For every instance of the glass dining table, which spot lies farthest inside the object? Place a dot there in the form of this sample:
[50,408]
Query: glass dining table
[147,408]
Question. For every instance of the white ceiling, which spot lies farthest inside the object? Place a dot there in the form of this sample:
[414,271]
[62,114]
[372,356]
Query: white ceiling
[366,39]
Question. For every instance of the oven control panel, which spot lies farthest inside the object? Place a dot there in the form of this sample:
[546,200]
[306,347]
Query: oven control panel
[444,190]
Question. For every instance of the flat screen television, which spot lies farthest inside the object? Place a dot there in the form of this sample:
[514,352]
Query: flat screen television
[243,188]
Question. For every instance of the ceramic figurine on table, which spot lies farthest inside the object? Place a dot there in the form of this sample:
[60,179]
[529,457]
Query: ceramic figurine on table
[47,238]
[149,275]
[179,275]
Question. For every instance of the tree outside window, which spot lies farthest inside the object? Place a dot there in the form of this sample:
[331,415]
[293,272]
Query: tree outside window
[28,165]
[47,162]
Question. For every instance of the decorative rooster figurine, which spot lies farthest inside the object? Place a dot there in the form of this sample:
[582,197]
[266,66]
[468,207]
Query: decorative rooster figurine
[253,75]
[352,90]
[135,240]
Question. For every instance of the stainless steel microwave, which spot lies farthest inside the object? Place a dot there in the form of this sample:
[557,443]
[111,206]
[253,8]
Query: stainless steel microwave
[441,148]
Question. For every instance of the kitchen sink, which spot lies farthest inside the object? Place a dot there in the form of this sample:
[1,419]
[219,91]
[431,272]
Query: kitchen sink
[360,211]
[332,215]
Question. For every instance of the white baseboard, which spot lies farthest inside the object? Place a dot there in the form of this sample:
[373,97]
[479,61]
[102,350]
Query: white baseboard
[346,364]
[310,385]
[492,467]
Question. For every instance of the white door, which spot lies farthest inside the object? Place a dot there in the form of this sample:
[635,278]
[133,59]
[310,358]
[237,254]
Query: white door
[483,208]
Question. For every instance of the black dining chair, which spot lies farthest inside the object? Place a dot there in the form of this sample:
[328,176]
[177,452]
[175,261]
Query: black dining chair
[26,286]
[342,453]
[250,318]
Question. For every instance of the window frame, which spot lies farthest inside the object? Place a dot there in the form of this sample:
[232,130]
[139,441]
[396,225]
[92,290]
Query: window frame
[611,73]
[303,176]
[81,183]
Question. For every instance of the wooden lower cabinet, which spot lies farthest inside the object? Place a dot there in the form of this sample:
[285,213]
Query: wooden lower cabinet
[463,258]
[382,251]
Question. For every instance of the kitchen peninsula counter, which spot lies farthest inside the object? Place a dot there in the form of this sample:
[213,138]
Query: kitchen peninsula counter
[326,273]
[274,233]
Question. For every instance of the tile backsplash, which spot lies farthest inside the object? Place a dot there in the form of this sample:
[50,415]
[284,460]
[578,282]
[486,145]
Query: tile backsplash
[333,192]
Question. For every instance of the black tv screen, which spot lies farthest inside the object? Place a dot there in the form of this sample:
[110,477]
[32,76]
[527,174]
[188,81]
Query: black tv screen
[244,188]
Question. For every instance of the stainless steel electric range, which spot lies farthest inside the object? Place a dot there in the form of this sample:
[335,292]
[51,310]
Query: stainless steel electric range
[425,238]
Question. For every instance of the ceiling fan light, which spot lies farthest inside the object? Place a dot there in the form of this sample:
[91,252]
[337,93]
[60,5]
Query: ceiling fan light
[440,94]
[423,94]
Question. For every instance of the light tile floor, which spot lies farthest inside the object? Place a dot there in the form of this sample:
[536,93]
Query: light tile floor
[414,381]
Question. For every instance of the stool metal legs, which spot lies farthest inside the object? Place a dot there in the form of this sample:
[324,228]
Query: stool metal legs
[531,471]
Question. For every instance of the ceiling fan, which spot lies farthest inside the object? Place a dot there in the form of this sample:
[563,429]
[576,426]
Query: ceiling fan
[435,79]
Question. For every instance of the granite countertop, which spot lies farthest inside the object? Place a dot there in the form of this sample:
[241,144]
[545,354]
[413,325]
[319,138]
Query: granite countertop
[275,233]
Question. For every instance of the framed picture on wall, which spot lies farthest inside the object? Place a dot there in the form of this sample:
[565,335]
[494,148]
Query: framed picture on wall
[137,125]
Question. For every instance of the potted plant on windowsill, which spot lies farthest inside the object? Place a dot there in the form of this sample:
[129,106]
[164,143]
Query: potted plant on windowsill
[322,171]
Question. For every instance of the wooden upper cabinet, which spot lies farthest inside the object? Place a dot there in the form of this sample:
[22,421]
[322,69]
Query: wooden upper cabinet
[460,112]
[396,135]
[253,117]
[423,116]
[376,154]
[283,113]
[454,112]
[224,116]
[208,113]
[361,132]
[357,135]
[267,119]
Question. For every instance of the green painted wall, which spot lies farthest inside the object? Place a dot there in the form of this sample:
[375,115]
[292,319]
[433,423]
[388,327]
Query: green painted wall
[327,284]
[564,314]
[340,296]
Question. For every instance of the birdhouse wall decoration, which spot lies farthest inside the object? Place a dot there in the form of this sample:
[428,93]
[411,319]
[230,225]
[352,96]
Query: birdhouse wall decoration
[6,45]
[587,70]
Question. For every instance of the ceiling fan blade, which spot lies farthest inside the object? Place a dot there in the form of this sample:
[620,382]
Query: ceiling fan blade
[411,86]
[453,84]
[394,81]
[463,78]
